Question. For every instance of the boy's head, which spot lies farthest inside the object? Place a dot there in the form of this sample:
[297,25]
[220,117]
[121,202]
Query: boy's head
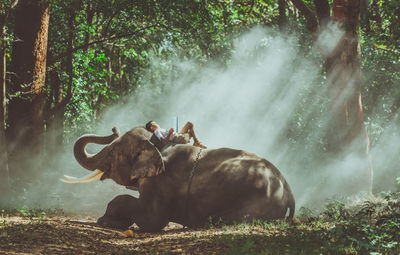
[152,126]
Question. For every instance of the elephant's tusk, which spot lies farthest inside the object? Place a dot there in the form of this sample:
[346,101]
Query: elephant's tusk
[96,175]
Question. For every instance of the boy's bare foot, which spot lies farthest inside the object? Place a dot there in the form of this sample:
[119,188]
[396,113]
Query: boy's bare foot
[200,144]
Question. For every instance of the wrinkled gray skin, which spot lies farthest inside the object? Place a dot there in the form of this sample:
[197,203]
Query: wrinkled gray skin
[228,185]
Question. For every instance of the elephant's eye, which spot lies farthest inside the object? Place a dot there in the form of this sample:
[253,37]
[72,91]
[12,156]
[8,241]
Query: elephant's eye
[133,182]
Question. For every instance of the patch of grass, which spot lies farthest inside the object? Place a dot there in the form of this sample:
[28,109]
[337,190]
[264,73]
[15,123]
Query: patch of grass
[368,227]
[33,213]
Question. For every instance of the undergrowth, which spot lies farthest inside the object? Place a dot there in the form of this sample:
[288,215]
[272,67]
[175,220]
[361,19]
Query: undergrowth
[33,212]
[352,226]
[344,227]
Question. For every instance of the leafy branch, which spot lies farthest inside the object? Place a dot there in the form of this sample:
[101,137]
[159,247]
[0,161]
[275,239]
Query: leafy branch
[102,40]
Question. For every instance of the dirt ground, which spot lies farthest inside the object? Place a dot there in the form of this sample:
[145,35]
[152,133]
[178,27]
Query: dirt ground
[36,232]
[75,235]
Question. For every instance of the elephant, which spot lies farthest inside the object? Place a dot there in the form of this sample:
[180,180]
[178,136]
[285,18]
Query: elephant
[182,183]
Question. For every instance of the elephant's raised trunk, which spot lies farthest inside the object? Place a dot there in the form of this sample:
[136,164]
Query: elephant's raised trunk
[88,161]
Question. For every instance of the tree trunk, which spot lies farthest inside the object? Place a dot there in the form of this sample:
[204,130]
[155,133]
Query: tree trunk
[109,80]
[89,20]
[25,132]
[120,75]
[323,12]
[4,172]
[55,122]
[110,76]
[282,16]
[347,133]
[5,183]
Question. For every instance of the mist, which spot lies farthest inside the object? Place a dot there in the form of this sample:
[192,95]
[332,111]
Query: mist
[269,100]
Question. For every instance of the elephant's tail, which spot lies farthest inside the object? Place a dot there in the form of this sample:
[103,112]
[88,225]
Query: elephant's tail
[291,206]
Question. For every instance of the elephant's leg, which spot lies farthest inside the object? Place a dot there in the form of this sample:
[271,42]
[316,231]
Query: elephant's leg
[152,219]
[124,210]
[119,213]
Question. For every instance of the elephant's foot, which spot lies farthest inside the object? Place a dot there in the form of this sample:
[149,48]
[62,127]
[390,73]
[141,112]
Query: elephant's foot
[119,213]
[113,222]
[152,225]
[124,210]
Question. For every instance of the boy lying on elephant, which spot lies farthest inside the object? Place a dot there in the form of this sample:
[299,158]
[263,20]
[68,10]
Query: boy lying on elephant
[182,137]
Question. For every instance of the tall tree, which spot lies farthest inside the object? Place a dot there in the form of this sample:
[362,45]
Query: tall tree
[347,127]
[4,171]
[55,115]
[346,130]
[25,115]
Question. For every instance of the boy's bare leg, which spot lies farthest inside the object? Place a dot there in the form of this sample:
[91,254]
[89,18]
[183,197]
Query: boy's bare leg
[189,128]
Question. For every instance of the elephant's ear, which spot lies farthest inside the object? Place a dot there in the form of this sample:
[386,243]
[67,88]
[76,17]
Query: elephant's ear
[148,161]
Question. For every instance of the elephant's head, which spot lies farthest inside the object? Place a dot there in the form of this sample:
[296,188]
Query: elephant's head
[125,159]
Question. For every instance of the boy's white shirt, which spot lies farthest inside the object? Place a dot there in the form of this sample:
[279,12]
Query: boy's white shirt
[162,133]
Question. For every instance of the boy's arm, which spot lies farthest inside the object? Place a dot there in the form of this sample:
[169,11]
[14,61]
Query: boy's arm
[166,139]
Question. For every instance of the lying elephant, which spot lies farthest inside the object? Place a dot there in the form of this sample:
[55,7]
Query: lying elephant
[182,183]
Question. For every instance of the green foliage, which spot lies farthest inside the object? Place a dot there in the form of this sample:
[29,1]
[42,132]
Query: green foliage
[369,227]
[238,248]
[31,212]
[380,34]
[114,41]
[335,210]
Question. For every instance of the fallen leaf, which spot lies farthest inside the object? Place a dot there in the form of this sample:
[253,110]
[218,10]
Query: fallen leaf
[128,233]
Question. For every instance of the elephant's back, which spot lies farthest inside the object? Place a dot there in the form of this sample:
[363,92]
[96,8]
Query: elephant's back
[224,161]
[216,170]
[227,183]
[229,174]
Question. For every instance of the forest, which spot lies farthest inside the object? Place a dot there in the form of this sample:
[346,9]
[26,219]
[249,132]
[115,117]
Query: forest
[312,86]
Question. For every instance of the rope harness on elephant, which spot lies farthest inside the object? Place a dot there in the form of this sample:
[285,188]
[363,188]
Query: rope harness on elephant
[196,162]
